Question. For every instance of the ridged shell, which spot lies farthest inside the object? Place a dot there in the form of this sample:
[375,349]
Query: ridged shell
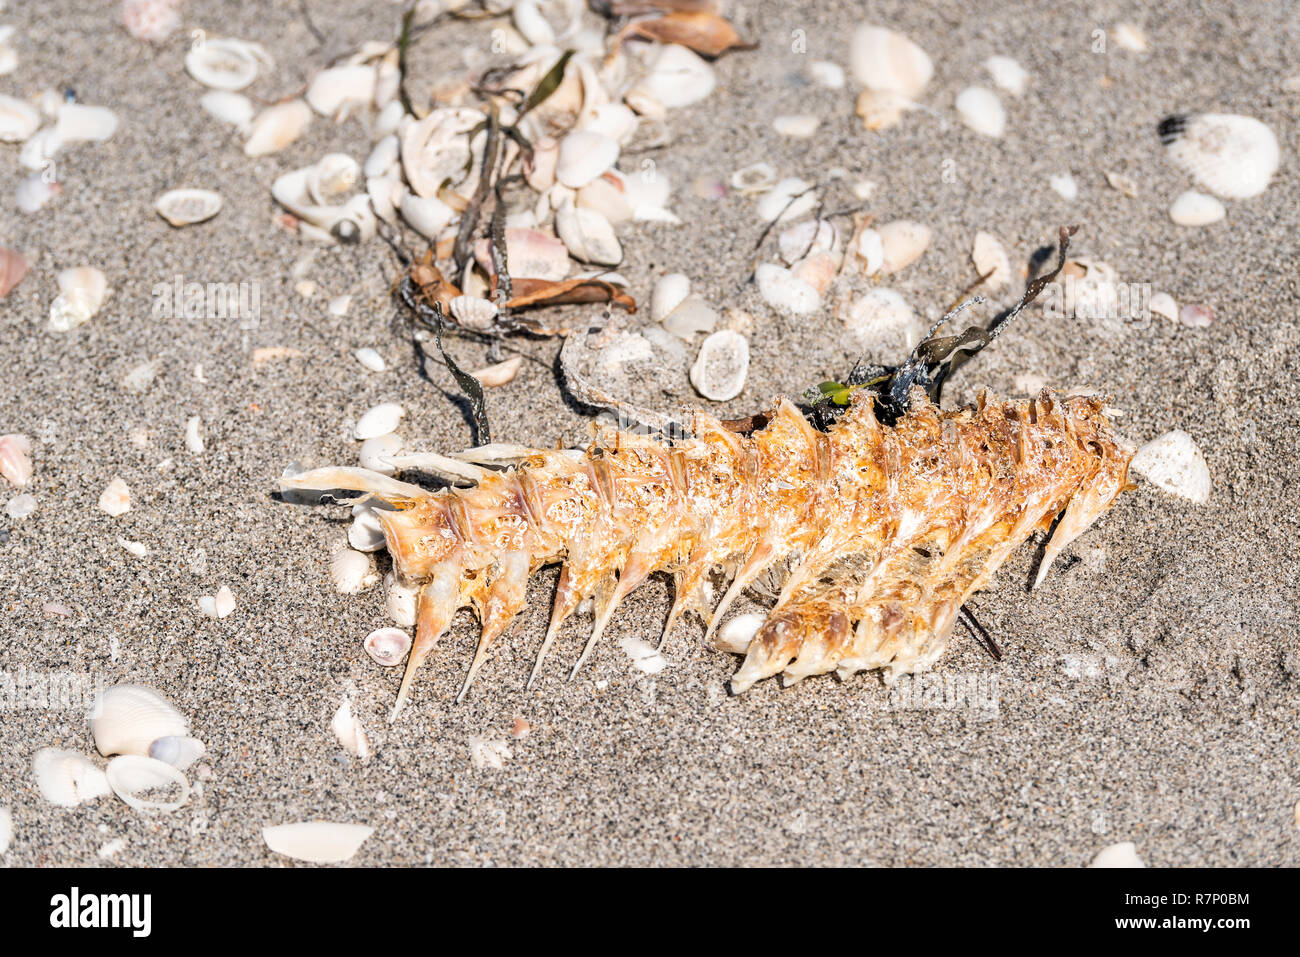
[1232,156]
[127,719]
[184,207]
[67,778]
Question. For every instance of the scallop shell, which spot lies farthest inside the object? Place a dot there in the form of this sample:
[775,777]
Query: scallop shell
[379,420]
[67,778]
[675,77]
[340,88]
[1174,463]
[1232,156]
[18,120]
[276,127]
[225,64]
[903,242]
[584,155]
[233,108]
[318,842]
[127,719]
[1196,209]
[131,776]
[722,366]
[177,750]
[981,110]
[588,235]
[184,207]
[884,60]
[473,312]
[989,257]
[15,460]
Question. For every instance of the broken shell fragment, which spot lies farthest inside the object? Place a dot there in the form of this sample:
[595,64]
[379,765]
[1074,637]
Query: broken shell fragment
[588,235]
[991,260]
[668,293]
[981,110]
[13,267]
[722,366]
[81,293]
[737,633]
[349,732]
[1174,463]
[219,605]
[675,77]
[177,750]
[184,207]
[78,123]
[233,108]
[1007,74]
[782,289]
[317,842]
[881,319]
[399,601]
[1196,209]
[1123,854]
[375,453]
[18,120]
[881,109]
[756,178]
[584,155]
[371,359]
[127,719]
[799,127]
[335,90]
[692,315]
[15,459]
[903,242]
[882,59]
[1163,304]
[499,374]
[67,778]
[132,776]
[789,199]
[116,498]
[276,127]
[1232,156]
[388,646]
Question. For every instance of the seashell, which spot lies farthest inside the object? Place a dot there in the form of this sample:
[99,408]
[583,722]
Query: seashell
[184,207]
[132,776]
[487,752]
[1196,209]
[379,420]
[1123,854]
[1162,304]
[138,549]
[736,635]
[6,829]
[668,293]
[427,215]
[219,605]
[383,157]
[1174,463]
[539,172]
[18,120]
[647,193]
[981,110]
[371,359]
[127,719]
[783,290]
[347,729]
[800,127]
[399,601]
[817,270]
[317,842]
[1065,185]
[375,452]
[881,319]
[473,312]
[584,155]
[588,236]
[827,74]
[720,369]
[887,61]
[645,656]
[1232,156]
[1125,184]
[67,778]
[903,242]
[435,149]
[15,460]
[1197,315]
[1007,74]
[339,305]
[500,373]
[607,199]
[331,178]
[225,64]
[388,646]
[881,109]
[615,120]
[116,498]
[644,104]
[1129,37]
[233,108]
[333,91]
[141,377]
[756,178]
[151,20]
[871,250]
[78,123]
[41,147]
[352,571]
[989,257]
[789,199]
[530,23]
[533,254]
[389,120]
[34,192]
[366,533]
[675,77]
[177,750]
[81,292]
[20,506]
[691,315]
[807,239]
[276,127]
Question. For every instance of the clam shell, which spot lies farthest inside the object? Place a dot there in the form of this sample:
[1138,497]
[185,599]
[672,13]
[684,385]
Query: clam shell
[668,293]
[755,178]
[615,120]
[318,842]
[67,778]
[379,420]
[1174,463]
[473,312]
[602,195]
[225,64]
[132,776]
[219,605]
[388,646]
[399,601]
[1232,156]
[807,239]
[338,88]
[18,120]
[276,127]
[692,315]
[1196,209]
[366,533]
[1123,854]
[904,242]
[15,462]
[884,60]
[981,110]
[81,292]
[78,123]
[720,369]
[881,320]
[352,571]
[233,108]
[584,155]
[589,236]
[781,289]
[988,256]
[1007,74]
[177,750]
[375,452]
[436,150]
[675,77]
[127,719]
[184,207]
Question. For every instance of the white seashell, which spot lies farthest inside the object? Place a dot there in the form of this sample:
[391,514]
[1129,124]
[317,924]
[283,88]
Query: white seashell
[138,549]
[1174,463]
[789,199]
[881,319]
[318,842]
[383,157]
[18,120]
[340,88]
[81,293]
[530,23]
[981,110]
[827,74]
[1130,37]
[388,646]
[473,312]
[1125,184]
[500,373]
[1007,74]
[352,571]
[607,199]
[233,108]
[722,366]
[67,778]
[34,192]
[736,634]
[887,61]
[615,120]
[116,498]
[219,605]
[20,506]
[331,178]
[375,452]
[799,127]
[645,656]
[989,256]
[339,305]
[177,750]
[668,293]
[225,64]
[132,776]
[427,215]
[818,270]
[6,829]
[15,459]
[379,420]
[692,315]
[756,178]
[436,149]
[871,250]
[389,119]
[366,533]
[1065,185]
[127,719]
[588,236]
[371,359]
[1232,156]
[584,155]
[1196,209]
[676,77]
[536,254]
[1163,304]
[881,109]
[487,752]
[903,242]
[276,127]
[781,289]
[399,601]
[807,239]
[349,732]
[1123,854]
[1196,314]
[8,58]
[78,123]
[41,147]
[184,207]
